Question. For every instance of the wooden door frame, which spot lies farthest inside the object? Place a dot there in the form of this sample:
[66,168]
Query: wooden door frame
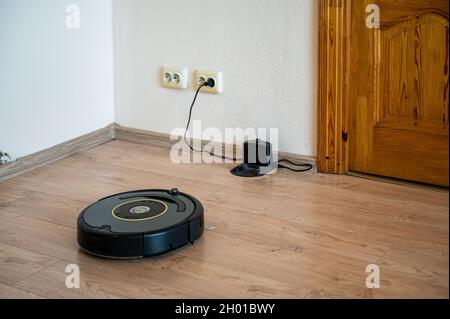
[333,86]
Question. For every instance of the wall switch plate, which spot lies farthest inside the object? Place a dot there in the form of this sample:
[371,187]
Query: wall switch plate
[201,76]
[174,77]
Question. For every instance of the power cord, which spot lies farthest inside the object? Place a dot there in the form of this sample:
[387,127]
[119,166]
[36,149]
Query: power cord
[306,166]
[210,82]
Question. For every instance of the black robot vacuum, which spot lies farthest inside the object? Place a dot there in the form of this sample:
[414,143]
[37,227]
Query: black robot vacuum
[140,223]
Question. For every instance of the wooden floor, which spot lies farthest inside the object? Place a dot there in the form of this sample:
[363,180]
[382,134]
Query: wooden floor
[289,235]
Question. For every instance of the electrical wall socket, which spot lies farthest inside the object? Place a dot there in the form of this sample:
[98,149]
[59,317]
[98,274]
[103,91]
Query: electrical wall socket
[201,76]
[5,158]
[174,77]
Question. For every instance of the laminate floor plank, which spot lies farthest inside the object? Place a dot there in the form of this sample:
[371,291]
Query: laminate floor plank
[292,235]
[9,292]
[17,264]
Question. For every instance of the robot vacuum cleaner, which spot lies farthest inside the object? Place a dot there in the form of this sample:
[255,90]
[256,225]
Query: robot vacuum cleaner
[140,223]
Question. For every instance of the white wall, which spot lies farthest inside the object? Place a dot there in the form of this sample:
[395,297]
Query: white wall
[55,84]
[265,48]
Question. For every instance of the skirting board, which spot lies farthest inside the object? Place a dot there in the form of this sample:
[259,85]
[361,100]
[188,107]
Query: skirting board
[47,156]
[163,140]
[104,135]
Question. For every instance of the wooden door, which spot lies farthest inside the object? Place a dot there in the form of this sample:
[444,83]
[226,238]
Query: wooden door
[398,92]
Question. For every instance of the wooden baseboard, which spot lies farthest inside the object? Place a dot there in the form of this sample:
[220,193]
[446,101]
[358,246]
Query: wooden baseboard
[142,136]
[163,140]
[44,157]
[104,135]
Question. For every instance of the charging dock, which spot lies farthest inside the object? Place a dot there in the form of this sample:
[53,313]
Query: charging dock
[258,159]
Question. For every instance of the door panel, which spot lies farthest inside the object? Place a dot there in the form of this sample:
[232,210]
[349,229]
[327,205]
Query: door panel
[399,91]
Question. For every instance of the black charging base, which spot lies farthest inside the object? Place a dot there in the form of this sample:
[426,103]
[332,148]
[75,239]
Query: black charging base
[251,170]
[258,159]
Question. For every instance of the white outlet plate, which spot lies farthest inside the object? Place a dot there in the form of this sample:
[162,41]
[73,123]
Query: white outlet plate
[174,77]
[202,75]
